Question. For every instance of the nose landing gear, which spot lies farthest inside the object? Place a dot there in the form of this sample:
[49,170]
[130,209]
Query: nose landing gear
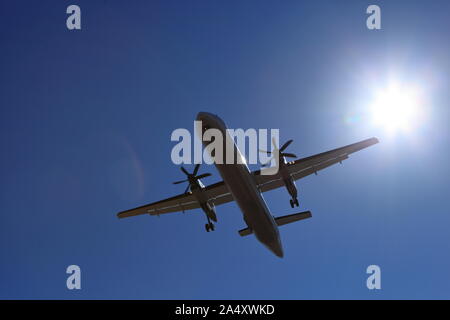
[294,202]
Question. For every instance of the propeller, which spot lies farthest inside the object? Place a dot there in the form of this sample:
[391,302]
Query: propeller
[192,177]
[280,151]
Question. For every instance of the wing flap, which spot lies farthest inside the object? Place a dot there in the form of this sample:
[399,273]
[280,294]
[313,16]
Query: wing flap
[181,202]
[216,194]
[315,168]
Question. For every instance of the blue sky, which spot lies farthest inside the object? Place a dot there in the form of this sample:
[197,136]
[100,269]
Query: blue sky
[86,118]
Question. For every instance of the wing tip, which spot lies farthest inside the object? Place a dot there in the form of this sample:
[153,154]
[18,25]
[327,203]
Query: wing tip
[123,214]
[371,141]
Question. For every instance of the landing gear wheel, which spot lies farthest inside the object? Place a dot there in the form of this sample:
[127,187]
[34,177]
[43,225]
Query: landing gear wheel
[292,203]
[296,202]
[209,227]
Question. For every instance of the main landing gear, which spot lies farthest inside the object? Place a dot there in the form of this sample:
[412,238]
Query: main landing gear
[209,226]
[294,202]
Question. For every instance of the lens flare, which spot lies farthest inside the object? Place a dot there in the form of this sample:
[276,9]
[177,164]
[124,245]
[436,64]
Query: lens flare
[397,108]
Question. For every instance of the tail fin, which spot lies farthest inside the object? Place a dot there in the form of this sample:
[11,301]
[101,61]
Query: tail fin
[280,221]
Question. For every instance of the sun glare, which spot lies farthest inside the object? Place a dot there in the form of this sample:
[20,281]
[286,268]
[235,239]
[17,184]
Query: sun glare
[397,108]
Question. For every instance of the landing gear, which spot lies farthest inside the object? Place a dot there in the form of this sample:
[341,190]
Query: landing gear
[209,227]
[294,202]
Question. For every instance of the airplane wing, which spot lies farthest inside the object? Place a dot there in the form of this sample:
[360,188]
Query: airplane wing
[303,167]
[216,194]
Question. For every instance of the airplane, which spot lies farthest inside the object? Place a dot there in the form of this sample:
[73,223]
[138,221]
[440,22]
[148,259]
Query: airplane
[245,187]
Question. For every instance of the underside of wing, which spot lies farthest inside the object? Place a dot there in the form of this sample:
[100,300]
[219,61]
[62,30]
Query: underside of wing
[216,194]
[181,202]
[303,167]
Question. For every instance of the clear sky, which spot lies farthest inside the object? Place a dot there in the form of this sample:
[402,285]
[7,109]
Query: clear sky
[86,118]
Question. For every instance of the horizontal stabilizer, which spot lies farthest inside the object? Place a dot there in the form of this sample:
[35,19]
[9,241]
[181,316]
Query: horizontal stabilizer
[292,218]
[280,221]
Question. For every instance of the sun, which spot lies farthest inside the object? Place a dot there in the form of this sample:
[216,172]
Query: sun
[397,108]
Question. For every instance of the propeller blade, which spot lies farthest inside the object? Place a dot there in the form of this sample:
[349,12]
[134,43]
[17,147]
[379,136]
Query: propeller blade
[184,171]
[187,188]
[286,145]
[178,182]
[203,176]
[289,155]
[196,169]
[264,151]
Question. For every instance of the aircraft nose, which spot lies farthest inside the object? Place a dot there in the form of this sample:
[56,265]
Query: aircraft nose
[202,116]
[211,121]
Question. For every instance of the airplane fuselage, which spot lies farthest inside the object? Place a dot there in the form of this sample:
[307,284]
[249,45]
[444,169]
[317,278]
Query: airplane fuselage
[242,186]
